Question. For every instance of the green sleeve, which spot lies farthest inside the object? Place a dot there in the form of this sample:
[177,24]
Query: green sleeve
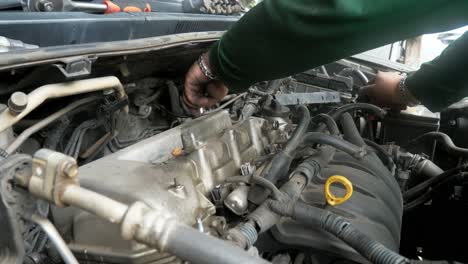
[444,80]
[278,38]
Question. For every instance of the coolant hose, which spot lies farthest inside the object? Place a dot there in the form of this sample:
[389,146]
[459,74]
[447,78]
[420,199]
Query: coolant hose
[372,250]
[445,140]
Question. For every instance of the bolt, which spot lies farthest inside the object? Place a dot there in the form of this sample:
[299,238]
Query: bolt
[45,6]
[70,169]
[17,102]
[178,186]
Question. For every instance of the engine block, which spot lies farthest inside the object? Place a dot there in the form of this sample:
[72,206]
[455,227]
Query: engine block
[153,172]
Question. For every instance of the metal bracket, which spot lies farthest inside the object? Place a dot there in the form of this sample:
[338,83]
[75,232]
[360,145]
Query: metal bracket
[76,67]
[308,98]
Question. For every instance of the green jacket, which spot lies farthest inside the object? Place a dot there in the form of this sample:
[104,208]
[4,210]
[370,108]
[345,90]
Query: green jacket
[278,38]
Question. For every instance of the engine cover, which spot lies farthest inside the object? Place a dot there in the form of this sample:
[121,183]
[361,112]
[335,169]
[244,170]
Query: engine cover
[375,208]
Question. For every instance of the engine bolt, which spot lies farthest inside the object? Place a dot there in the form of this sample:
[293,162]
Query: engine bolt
[70,170]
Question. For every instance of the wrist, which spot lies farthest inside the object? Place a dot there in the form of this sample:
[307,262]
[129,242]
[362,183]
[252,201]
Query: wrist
[405,95]
[206,67]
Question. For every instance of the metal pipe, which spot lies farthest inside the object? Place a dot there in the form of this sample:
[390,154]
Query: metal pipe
[94,203]
[221,107]
[56,239]
[88,7]
[361,75]
[44,122]
[39,95]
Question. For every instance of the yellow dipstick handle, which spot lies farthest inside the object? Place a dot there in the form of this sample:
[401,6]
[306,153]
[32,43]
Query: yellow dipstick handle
[330,197]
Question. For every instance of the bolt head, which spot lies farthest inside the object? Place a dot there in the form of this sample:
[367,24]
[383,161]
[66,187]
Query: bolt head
[70,170]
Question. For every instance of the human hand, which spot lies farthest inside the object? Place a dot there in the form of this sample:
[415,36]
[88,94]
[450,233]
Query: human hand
[200,91]
[385,90]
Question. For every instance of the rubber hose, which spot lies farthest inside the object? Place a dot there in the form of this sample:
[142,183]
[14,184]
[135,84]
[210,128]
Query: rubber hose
[329,122]
[428,194]
[301,129]
[281,162]
[358,106]
[338,143]
[426,184]
[384,156]
[443,139]
[372,250]
[350,131]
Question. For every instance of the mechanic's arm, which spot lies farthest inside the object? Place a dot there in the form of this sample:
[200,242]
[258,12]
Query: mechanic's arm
[437,84]
[278,38]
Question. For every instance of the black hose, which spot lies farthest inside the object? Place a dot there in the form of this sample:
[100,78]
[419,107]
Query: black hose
[382,153]
[268,185]
[444,139]
[428,195]
[329,122]
[358,106]
[338,143]
[408,195]
[417,202]
[301,129]
[350,131]
[372,250]
[279,165]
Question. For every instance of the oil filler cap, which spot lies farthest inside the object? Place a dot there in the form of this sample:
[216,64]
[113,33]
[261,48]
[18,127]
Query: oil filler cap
[344,182]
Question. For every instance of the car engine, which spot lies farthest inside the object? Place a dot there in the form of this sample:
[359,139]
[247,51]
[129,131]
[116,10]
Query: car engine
[113,168]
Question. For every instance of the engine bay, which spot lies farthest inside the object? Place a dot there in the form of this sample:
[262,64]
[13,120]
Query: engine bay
[111,167]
